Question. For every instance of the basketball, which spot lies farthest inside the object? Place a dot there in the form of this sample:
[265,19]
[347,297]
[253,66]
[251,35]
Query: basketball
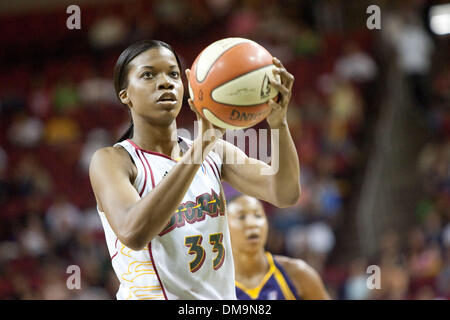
[229,83]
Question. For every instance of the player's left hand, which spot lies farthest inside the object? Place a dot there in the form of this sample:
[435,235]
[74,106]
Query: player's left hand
[277,117]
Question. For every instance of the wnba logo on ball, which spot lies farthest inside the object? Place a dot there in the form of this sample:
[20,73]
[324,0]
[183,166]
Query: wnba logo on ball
[265,87]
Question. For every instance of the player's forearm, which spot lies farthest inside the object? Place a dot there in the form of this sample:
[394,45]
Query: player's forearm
[151,214]
[285,164]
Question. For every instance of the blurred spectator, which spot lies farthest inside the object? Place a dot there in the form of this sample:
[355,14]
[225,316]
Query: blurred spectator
[3,179]
[346,109]
[54,281]
[65,96]
[63,219]
[30,177]
[394,281]
[220,8]
[33,238]
[92,293]
[355,65]
[321,239]
[443,279]
[61,129]
[11,100]
[107,31]
[441,83]
[312,242]
[3,160]
[306,42]
[273,26]
[390,248]
[92,224]
[328,198]
[424,260]
[39,102]
[95,89]
[25,131]
[244,21]
[355,287]
[172,13]
[96,139]
[414,48]
[313,108]
[329,15]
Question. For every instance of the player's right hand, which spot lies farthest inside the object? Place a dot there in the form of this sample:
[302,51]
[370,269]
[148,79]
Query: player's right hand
[208,131]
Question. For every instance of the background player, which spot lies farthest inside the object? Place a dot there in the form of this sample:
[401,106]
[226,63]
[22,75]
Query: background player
[259,274]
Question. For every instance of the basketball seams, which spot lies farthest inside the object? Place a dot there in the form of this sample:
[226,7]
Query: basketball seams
[215,60]
[216,119]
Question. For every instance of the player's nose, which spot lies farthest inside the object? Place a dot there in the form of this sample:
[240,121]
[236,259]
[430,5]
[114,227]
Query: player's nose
[251,221]
[164,82]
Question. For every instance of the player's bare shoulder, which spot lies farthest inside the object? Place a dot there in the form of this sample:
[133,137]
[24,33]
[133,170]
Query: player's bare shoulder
[226,149]
[112,156]
[306,280]
[111,159]
[109,165]
[293,266]
[219,147]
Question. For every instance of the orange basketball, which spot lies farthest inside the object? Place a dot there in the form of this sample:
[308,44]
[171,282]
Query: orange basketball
[229,83]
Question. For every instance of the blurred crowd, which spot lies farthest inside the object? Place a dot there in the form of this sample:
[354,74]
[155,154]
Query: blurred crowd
[57,109]
[417,265]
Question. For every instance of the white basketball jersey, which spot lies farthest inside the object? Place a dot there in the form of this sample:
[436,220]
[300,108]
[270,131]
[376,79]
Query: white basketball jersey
[191,257]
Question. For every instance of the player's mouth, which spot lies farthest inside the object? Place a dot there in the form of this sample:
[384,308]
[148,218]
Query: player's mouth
[167,98]
[253,237]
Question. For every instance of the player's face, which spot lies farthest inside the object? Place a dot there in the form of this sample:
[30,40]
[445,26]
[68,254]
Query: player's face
[247,223]
[154,87]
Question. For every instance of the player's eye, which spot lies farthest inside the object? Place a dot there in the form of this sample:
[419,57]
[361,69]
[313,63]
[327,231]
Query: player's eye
[147,75]
[174,74]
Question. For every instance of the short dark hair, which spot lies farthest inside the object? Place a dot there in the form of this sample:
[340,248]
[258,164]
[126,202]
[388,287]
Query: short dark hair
[122,67]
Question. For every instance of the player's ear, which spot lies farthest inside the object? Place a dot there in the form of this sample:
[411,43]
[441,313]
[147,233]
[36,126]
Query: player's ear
[124,98]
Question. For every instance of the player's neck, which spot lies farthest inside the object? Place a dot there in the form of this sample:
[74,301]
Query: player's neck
[249,263]
[156,139]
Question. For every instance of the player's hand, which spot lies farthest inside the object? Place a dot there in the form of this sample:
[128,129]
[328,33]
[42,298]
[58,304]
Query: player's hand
[277,117]
[208,131]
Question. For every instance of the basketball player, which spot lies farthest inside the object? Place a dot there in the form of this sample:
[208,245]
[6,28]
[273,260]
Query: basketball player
[259,274]
[160,199]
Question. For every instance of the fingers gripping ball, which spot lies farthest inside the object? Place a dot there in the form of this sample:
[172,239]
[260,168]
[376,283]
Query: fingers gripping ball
[229,83]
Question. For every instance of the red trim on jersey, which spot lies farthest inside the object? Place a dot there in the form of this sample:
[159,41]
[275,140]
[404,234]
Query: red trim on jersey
[115,245]
[151,171]
[145,170]
[151,152]
[215,164]
[156,271]
[214,171]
